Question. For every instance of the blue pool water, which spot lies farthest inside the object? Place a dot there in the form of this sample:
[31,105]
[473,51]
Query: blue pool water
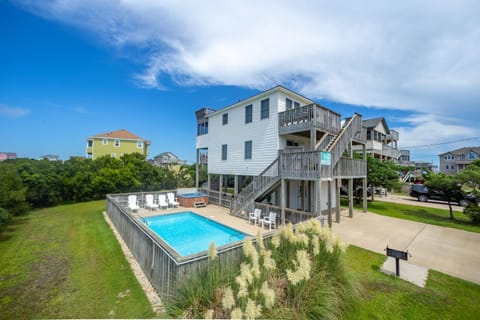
[191,195]
[188,233]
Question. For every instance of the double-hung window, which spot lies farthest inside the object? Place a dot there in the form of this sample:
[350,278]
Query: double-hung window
[225,119]
[117,143]
[248,149]
[224,152]
[248,114]
[265,109]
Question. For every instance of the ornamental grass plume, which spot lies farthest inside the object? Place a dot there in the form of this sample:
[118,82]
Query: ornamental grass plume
[252,310]
[260,244]
[268,295]
[236,314]
[228,300]
[250,251]
[212,251]
[269,263]
[303,268]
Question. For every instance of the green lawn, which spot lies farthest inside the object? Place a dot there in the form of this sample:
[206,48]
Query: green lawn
[382,296]
[439,217]
[64,262]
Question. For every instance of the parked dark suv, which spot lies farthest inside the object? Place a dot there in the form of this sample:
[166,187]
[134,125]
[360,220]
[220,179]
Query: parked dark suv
[423,194]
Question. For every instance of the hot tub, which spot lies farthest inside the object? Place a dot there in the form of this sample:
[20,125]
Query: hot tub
[191,200]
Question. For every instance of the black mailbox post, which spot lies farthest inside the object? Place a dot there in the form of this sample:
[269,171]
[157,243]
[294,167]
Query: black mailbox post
[397,254]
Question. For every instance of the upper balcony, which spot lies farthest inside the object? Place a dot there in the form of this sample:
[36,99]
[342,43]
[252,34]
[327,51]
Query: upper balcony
[308,117]
[392,136]
[391,152]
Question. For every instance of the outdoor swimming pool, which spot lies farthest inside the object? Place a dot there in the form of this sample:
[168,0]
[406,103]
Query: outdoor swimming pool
[189,233]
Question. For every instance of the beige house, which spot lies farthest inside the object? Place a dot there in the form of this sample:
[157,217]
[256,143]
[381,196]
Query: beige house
[382,142]
[456,160]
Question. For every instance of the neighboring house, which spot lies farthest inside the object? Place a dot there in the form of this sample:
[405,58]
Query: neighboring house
[50,157]
[166,158]
[454,161]
[7,155]
[382,142]
[405,158]
[115,144]
[284,149]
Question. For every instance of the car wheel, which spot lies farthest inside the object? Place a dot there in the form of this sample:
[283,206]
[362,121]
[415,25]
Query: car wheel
[422,198]
[463,203]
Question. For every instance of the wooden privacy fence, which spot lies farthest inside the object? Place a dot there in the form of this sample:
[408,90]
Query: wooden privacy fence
[164,268]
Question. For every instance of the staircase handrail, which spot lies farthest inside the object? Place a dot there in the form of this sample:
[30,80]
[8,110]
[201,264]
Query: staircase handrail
[351,127]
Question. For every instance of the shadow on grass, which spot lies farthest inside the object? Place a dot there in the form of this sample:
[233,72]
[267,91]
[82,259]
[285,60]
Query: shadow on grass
[7,231]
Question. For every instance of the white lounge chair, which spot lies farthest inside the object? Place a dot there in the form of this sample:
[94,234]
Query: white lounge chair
[171,200]
[132,203]
[150,204]
[255,216]
[162,201]
[271,220]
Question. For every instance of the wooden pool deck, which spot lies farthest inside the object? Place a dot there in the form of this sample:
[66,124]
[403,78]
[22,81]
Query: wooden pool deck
[214,212]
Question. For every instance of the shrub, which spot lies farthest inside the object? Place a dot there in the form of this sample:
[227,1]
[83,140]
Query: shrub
[473,212]
[4,216]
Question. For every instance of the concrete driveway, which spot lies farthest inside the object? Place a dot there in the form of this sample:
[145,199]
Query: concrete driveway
[451,251]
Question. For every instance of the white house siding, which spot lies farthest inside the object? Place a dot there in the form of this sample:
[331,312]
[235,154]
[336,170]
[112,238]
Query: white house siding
[262,132]
[202,141]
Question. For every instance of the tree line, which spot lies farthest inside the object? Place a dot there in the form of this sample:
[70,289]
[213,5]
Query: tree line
[27,183]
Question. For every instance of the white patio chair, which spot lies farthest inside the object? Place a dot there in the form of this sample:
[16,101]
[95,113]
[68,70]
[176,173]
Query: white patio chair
[132,203]
[162,201]
[271,220]
[255,216]
[150,204]
[171,200]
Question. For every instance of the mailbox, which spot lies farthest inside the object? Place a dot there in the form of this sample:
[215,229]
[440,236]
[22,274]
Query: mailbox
[397,254]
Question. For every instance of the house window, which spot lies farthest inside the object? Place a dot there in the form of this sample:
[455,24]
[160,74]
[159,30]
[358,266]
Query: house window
[139,144]
[265,109]
[113,155]
[105,141]
[224,152]
[471,155]
[117,143]
[288,104]
[248,114]
[369,134]
[296,104]
[89,156]
[202,128]
[248,149]
[90,143]
[225,119]
[461,157]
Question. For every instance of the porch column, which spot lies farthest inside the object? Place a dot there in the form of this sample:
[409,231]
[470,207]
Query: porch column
[350,185]
[235,185]
[283,195]
[197,171]
[329,186]
[337,200]
[220,188]
[364,181]
[313,139]
[350,198]
[209,181]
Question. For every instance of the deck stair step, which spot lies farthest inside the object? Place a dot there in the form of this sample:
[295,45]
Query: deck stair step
[199,204]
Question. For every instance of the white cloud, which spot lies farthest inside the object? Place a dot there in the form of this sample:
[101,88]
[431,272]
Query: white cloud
[12,112]
[420,56]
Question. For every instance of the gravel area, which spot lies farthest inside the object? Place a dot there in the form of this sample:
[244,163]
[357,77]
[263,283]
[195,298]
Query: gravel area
[152,296]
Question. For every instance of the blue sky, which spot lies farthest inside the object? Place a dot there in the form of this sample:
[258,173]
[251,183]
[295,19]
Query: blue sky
[71,69]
